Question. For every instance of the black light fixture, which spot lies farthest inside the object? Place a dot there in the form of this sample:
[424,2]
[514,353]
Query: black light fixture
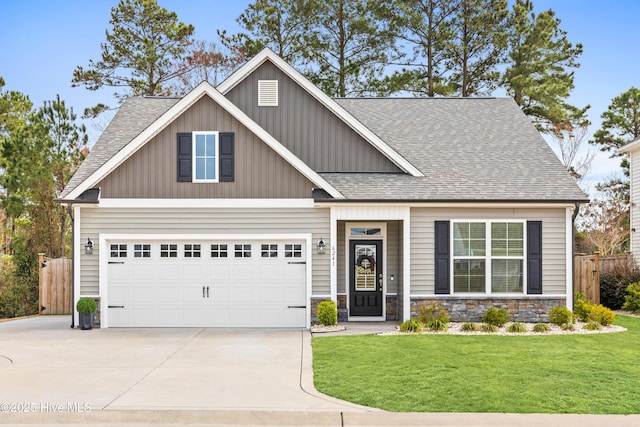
[88,247]
[322,246]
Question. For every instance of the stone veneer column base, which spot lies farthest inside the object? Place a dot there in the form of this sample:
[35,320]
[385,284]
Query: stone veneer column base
[523,309]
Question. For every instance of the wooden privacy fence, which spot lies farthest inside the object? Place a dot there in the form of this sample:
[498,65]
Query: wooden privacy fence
[55,285]
[587,272]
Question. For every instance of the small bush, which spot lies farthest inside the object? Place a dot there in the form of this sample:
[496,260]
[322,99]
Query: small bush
[496,317]
[411,325]
[613,285]
[632,298]
[437,325]
[602,315]
[469,327]
[568,327]
[560,316]
[517,327]
[582,308]
[328,313]
[541,327]
[434,317]
[488,327]
[86,305]
[592,326]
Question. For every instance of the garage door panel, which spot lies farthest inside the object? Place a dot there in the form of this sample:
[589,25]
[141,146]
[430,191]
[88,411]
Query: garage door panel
[242,292]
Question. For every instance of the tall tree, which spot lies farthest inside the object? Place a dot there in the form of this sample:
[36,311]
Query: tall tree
[538,73]
[14,109]
[422,29]
[478,46]
[620,125]
[278,24]
[144,50]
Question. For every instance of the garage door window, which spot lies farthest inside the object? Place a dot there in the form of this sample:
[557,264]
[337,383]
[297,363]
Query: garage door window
[269,251]
[142,250]
[292,251]
[118,251]
[168,250]
[191,251]
[243,251]
[219,251]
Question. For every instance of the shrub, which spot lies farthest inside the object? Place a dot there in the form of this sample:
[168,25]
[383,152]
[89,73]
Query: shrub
[632,298]
[602,315]
[488,327]
[613,285]
[86,305]
[517,327]
[541,327]
[411,325]
[592,326]
[469,327]
[582,308]
[327,313]
[568,327]
[434,317]
[560,316]
[496,317]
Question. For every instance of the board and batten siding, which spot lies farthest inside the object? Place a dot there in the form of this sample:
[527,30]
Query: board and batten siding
[554,261]
[260,172]
[252,222]
[306,127]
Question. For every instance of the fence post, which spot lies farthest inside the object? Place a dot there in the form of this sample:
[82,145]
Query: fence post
[41,286]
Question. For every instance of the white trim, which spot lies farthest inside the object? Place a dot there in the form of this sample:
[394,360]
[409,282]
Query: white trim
[77,254]
[203,89]
[406,266]
[333,253]
[216,150]
[267,54]
[420,204]
[203,203]
[104,258]
[366,319]
[569,258]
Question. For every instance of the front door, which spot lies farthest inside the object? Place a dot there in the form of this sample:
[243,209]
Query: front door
[366,278]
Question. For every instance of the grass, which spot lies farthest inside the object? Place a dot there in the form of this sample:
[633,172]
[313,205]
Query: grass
[580,374]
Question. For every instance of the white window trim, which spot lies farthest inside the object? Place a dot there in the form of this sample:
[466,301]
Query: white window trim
[488,257]
[193,157]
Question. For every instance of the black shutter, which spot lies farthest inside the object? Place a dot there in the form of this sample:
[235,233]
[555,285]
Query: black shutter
[442,259]
[226,151]
[534,257]
[184,157]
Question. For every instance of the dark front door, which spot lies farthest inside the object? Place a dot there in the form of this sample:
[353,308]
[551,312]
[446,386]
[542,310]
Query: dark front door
[365,289]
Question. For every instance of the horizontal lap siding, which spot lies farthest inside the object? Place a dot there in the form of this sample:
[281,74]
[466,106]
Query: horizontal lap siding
[252,222]
[554,260]
[634,159]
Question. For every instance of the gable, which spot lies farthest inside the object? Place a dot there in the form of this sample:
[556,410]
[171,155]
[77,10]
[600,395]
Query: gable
[151,172]
[306,127]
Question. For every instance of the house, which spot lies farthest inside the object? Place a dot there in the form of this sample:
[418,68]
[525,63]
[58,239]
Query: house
[247,204]
[632,151]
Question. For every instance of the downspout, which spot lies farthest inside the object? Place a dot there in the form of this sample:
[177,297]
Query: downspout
[73,255]
[576,210]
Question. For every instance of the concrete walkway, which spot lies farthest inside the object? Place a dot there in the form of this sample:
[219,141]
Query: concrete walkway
[51,374]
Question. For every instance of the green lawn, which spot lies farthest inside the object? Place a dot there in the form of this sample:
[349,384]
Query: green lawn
[583,374]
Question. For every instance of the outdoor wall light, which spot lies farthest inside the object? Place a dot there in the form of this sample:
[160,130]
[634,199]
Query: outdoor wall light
[88,247]
[322,246]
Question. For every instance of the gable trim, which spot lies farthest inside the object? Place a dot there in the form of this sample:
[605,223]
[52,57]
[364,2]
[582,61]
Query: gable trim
[203,89]
[267,54]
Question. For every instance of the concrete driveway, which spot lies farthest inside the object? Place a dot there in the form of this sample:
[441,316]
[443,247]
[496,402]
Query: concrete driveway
[43,360]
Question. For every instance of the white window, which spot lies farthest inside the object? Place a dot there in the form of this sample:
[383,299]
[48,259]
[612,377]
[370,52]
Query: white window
[168,250]
[191,250]
[269,250]
[292,250]
[267,93]
[219,251]
[488,257]
[142,250]
[118,251]
[205,156]
[242,251]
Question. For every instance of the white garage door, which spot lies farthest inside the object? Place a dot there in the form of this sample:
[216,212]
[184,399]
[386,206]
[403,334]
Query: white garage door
[206,284]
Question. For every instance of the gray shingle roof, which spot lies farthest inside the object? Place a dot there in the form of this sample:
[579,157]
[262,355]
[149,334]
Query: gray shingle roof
[134,116]
[467,149]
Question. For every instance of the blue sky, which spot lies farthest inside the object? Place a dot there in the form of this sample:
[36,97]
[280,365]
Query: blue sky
[42,41]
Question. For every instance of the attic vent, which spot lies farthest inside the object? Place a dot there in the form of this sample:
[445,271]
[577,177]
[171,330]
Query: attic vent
[267,93]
